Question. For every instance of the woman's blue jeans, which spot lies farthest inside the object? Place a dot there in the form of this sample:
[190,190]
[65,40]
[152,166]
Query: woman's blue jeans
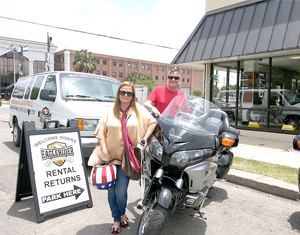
[117,195]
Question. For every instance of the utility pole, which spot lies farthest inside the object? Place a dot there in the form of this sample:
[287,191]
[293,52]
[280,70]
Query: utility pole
[21,65]
[47,55]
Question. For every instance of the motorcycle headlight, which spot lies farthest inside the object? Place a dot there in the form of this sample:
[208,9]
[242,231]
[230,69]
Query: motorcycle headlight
[157,150]
[182,158]
[87,124]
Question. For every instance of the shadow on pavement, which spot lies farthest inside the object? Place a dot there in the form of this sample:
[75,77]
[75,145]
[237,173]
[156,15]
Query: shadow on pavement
[215,194]
[24,209]
[11,146]
[294,220]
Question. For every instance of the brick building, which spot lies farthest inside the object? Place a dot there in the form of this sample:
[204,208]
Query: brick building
[120,67]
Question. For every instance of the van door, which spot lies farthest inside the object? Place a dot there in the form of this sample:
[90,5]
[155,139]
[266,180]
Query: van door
[34,97]
[30,111]
[47,107]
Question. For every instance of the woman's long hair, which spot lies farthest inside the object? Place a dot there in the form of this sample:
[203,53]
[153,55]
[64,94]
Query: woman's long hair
[117,105]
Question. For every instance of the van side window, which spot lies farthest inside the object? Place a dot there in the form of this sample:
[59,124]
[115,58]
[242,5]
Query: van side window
[28,89]
[36,87]
[51,84]
[19,90]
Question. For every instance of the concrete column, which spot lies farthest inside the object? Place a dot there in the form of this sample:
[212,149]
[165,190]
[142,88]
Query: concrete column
[67,60]
[207,81]
[31,67]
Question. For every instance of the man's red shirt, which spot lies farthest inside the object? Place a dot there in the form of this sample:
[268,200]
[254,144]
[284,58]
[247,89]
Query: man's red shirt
[161,96]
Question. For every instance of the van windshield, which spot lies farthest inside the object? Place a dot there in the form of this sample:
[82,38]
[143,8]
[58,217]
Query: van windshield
[86,87]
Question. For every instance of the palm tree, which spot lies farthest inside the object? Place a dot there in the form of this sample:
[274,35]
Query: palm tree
[84,62]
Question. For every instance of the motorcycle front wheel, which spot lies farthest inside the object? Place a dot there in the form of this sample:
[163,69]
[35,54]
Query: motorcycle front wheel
[153,219]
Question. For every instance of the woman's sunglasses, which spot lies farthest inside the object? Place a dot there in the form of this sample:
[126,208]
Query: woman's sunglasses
[175,77]
[129,93]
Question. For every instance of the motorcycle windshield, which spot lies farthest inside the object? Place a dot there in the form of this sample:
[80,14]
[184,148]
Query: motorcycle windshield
[194,114]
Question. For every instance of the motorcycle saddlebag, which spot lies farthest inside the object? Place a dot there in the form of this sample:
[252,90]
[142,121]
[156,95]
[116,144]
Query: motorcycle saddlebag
[224,163]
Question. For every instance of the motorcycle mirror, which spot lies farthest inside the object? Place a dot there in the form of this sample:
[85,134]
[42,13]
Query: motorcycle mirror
[229,140]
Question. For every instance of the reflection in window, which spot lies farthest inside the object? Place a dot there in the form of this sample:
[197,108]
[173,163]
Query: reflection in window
[51,84]
[36,87]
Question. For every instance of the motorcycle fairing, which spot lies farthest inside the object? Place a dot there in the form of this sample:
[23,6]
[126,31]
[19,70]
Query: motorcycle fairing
[176,139]
[200,175]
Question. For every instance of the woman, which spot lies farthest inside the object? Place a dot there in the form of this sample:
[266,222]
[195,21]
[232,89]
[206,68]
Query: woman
[127,116]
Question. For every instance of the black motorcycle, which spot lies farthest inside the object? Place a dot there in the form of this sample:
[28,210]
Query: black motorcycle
[188,151]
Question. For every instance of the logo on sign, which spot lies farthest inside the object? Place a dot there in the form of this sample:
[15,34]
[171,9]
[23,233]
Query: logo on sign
[57,153]
[45,115]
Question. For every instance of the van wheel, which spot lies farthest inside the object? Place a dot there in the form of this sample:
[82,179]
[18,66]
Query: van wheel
[16,134]
[254,115]
[293,121]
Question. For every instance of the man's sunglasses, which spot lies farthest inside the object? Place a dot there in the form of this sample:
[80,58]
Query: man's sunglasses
[175,77]
[129,93]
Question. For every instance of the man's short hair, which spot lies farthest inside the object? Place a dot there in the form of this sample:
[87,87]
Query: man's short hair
[174,70]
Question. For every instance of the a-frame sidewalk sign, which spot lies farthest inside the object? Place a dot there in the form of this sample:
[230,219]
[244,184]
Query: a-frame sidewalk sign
[52,168]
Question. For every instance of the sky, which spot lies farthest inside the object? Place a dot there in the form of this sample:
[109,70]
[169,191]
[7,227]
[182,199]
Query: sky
[167,23]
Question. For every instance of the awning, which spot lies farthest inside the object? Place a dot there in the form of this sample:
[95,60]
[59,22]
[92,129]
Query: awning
[240,30]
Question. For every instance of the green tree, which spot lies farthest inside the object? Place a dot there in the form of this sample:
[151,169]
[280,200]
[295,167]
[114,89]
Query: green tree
[197,92]
[84,62]
[231,87]
[141,79]
[134,77]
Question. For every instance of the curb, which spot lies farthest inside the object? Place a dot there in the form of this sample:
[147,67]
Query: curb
[263,183]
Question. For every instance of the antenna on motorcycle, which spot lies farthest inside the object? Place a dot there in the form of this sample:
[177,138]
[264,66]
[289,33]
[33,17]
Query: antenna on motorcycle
[207,83]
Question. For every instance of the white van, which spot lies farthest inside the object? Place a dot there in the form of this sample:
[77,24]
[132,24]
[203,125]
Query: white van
[284,105]
[62,96]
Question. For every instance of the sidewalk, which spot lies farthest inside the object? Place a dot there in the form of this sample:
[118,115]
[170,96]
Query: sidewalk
[266,147]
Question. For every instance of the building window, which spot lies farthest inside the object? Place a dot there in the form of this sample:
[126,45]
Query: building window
[134,66]
[114,63]
[114,74]
[162,78]
[143,67]
[120,64]
[97,72]
[104,62]
[148,67]
[129,65]
[182,79]
[105,73]
[60,59]
[97,61]
[188,72]
[156,77]
[187,80]
[162,69]
[183,71]
[120,75]
[156,68]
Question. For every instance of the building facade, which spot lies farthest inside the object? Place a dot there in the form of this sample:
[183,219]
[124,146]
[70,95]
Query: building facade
[120,67]
[251,53]
[33,61]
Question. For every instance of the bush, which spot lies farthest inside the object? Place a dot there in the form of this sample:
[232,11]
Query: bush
[197,92]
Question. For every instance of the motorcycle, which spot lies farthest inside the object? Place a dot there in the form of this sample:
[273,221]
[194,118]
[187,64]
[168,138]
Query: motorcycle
[187,152]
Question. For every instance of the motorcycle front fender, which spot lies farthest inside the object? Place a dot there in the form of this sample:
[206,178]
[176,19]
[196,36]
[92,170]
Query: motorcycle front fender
[167,198]
[166,195]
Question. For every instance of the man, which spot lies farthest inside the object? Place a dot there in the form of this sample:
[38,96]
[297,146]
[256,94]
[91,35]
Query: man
[161,96]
